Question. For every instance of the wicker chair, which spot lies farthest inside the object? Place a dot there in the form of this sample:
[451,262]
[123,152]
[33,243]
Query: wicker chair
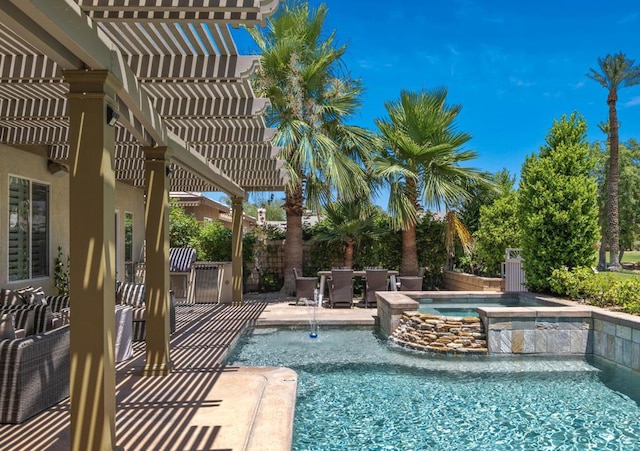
[341,288]
[305,286]
[410,283]
[375,280]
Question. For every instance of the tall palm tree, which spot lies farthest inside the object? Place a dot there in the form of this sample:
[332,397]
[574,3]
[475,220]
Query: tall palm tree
[310,103]
[421,162]
[616,71]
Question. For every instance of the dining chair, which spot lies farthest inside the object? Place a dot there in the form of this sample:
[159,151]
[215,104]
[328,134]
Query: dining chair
[341,288]
[375,280]
[410,283]
[305,287]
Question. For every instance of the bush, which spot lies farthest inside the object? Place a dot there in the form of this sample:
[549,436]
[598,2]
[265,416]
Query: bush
[557,206]
[571,283]
[599,289]
[215,242]
[499,229]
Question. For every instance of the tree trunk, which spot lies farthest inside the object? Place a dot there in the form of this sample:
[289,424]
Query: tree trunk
[409,266]
[293,243]
[614,228]
[348,254]
[602,253]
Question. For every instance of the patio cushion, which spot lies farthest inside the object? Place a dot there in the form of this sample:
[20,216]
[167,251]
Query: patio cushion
[7,331]
[58,303]
[130,294]
[181,259]
[10,297]
[34,319]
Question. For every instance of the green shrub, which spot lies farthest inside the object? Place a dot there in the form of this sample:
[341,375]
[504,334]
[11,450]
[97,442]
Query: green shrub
[571,283]
[626,293]
[599,289]
[557,206]
[270,281]
[215,242]
[499,230]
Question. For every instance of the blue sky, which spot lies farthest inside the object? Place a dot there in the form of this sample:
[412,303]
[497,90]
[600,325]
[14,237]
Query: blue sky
[513,66]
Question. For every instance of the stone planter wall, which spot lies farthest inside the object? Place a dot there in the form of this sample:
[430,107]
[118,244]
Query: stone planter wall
[442,334]
[456,281]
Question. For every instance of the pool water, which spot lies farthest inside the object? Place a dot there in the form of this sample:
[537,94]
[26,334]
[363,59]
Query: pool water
[467,306]
[358,392]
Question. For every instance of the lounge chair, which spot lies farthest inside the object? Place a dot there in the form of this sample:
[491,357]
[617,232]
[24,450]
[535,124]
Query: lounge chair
[375,280]
[410,283]
[341,288]
[305,287]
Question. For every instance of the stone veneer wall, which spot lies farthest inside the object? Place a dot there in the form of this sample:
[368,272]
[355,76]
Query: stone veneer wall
[537,330]
[456,281]
[443,334]
[616,337]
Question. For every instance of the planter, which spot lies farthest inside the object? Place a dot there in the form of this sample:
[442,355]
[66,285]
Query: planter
[456,281]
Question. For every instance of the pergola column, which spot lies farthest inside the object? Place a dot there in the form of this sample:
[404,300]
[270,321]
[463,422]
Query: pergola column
[236,249]
[157,261]
[92,251]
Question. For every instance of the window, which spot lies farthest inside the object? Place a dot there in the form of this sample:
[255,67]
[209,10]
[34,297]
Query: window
[128,247]
[28,229]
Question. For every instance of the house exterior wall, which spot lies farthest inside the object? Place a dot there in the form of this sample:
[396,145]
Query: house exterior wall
[129,199]
[31,166]
[34,167]
[203,211]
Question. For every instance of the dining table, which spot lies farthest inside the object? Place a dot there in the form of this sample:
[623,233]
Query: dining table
[358,273]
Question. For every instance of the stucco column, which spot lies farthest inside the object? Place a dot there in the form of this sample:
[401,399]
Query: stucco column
[92,252]
[236,249]
[156,219]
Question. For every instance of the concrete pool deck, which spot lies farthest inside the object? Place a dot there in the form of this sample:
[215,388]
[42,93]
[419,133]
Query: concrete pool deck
[203,404]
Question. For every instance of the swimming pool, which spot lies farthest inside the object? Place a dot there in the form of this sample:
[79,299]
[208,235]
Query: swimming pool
[356,391]
[466,306]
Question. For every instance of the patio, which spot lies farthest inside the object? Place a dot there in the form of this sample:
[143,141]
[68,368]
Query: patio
[201,405]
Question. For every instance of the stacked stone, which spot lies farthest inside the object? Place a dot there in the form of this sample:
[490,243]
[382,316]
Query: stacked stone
[443,334]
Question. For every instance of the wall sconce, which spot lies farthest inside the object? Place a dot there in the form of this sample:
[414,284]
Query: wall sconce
[112,116]
[169,170]
[56,168]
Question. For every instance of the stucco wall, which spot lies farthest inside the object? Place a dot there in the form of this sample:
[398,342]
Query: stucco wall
[129,199]
[31,166]
[455,281]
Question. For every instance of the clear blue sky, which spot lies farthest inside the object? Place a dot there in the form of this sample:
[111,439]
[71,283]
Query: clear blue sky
[513,66]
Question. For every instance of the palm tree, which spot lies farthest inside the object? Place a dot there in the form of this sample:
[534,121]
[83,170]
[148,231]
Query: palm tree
[347,222]
[420,161]
[616,71]
[310,102]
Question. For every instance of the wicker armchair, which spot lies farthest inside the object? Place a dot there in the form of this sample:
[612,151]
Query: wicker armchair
[341,288]
[305,287]
[34,374]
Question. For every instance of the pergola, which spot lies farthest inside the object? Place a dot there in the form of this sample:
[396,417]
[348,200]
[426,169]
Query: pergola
[149,92]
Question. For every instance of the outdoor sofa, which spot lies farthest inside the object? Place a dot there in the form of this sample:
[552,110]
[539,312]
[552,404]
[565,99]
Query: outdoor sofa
[34,355]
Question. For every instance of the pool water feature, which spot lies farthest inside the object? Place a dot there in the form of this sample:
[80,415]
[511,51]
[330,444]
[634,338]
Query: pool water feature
[356,391]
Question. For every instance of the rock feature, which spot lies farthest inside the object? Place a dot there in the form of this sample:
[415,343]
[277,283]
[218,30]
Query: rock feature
[442,334]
